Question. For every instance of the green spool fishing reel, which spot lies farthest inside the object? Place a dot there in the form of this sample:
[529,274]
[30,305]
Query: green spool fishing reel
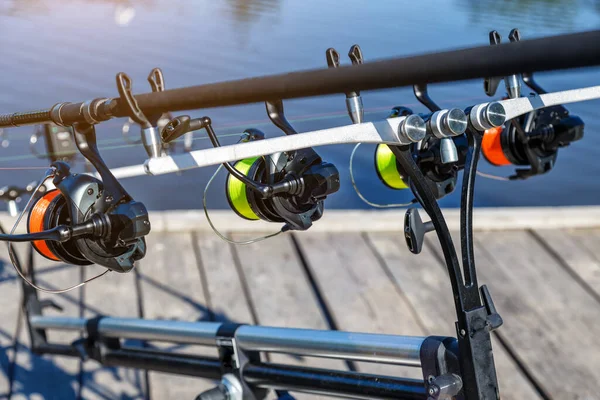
[300,178]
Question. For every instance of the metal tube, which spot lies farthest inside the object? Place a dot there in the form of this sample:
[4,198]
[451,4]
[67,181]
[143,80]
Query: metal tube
[203,333]
[329,382]
[551,53]
[392,349]
[371,347]
[57,323]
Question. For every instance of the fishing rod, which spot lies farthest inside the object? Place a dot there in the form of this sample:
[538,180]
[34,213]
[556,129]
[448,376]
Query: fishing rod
[545,54]
[284,180]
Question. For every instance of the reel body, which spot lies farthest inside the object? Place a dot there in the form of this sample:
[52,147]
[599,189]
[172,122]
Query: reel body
[312,181]
[75,200]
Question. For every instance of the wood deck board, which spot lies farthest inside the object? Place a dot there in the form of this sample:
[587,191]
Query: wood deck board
[172,289]
[113,294]
[425,282]
[578,249]
[10,316]
[550,321]
[38,375]
[281,294]
[546,285]
[358,292]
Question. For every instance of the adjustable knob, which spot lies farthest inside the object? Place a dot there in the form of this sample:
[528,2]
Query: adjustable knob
[412,128]
[448,123]
[487,116]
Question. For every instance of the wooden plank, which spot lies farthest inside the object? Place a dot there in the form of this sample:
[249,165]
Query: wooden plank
[359,293]
[172,289]
[578,249]
[549,320]
[280,293]
[9,315]
[47,376]
[225,293]
[115,295]
[425,283]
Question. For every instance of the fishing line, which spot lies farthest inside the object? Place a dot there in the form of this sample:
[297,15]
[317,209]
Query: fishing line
[494,177]
[360,195]
[216,231]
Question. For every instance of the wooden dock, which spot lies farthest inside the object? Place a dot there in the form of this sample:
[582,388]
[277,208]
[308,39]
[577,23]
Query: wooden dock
[352,272]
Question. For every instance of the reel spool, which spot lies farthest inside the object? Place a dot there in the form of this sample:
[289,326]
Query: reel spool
[387,168]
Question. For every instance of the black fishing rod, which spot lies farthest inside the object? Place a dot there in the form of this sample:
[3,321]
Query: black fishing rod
[550,53]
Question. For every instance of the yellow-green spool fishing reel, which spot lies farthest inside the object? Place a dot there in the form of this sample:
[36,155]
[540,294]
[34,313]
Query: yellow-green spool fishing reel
[387,168]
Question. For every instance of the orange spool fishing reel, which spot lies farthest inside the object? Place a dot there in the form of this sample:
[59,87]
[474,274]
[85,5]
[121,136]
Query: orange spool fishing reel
[532,140]
[86,220]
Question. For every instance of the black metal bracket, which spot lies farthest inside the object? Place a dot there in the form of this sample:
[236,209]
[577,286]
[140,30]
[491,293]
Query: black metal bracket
[441,368]
[475,319]
[234,359]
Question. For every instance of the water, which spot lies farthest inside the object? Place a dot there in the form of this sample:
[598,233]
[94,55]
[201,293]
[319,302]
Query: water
[71,50]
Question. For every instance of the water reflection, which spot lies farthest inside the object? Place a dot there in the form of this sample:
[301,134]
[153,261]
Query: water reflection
[533,14]
[124,9]
[245,11]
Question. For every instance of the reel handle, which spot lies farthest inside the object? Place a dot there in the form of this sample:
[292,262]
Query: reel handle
[415,230]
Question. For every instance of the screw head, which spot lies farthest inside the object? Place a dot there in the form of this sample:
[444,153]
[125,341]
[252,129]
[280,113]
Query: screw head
[90,191]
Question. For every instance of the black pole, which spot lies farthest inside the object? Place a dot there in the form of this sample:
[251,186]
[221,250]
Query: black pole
[336,383]
[551,53]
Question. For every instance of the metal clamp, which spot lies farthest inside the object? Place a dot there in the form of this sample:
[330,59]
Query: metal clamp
[233,360]
[440,366]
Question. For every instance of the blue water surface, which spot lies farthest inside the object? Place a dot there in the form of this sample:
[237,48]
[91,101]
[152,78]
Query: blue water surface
[70,50]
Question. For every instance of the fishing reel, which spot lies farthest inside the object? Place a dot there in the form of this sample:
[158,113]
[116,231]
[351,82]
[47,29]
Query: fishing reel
[305,181]
[287,187]
[440,155]
[531,140]
[86,220]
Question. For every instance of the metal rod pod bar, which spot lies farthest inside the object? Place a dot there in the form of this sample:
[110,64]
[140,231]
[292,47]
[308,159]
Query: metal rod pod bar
[392,349]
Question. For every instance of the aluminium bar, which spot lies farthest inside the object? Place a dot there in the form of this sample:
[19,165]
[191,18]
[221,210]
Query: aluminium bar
[404,350]
[551,53]
[392,349]
[383,131]
[524,105]
[203,333]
